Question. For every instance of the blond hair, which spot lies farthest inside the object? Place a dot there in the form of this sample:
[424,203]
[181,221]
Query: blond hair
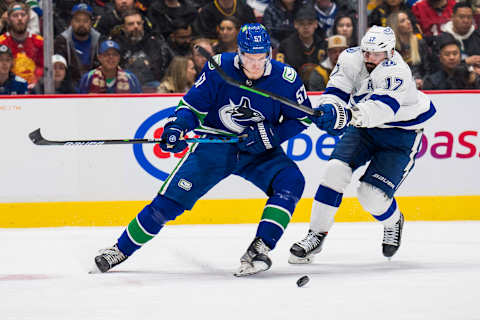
[413,52]
[175,78]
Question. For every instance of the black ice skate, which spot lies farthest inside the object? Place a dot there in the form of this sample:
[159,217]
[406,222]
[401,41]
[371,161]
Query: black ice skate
[303,251]
[109,258]
[392,237]
[255,259]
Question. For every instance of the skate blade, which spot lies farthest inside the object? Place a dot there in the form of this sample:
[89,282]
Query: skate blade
[247,269]
[94,269]
[298,260]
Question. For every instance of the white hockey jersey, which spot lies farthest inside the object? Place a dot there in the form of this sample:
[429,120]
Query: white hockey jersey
[388,95]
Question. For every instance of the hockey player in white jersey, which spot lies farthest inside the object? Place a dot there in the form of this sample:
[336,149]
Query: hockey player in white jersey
[372,99]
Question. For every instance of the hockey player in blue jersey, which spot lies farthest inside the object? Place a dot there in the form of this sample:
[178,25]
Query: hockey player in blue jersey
[213,107]
[372,88]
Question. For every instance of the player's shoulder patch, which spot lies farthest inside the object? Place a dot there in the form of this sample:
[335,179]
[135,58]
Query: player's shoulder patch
[20,79]
[352,50]
[218,59]
[3,37]
[289,74]
[389,63]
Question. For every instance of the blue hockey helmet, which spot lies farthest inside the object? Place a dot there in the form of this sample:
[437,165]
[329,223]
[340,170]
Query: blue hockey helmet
[254,38]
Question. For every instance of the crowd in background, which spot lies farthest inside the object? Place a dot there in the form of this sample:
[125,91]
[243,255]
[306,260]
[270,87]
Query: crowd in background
[128,46]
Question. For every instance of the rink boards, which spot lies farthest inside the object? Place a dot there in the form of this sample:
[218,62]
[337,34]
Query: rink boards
[107,185]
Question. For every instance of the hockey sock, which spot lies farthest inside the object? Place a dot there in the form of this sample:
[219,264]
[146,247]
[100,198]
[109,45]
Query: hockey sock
[148,223]
[288,188]
[325,205]
[391,216]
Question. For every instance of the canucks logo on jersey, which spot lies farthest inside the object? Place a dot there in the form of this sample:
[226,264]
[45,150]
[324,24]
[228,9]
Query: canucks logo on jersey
[236,117]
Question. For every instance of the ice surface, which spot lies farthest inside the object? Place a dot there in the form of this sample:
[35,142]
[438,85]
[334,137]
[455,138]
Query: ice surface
[186,273]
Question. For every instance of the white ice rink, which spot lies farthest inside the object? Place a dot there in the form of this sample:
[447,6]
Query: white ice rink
[186,273]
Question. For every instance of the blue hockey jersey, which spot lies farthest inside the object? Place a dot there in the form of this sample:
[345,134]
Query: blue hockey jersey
[227,110]
[14,85]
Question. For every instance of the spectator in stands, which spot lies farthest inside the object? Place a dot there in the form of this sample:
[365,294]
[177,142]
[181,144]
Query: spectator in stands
[198,59]
[179,77]
[432,14]
[163,13]
[414,50]
[453,74]
[79,43]
[278,19]
[476,71]
[346,25]
[61,77]
[304,48]
[9,82]
[111,23]
[210,16]
[109,77]
[461,27]
[145,55]
[33,20]
[320,75]
[227,32]
[27,48]
[258,7]
[372,4]
[326,11]
[476,12]
[180,38]
[62,12]
[379,15]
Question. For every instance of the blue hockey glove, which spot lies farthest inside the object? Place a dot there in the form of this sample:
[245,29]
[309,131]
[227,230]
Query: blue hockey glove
[172,137]
[259,137]
[335,117]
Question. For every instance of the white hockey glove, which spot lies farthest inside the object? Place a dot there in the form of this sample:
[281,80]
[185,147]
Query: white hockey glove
[359,117]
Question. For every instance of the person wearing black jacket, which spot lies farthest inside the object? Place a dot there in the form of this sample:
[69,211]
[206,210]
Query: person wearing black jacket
[61,78]
[278,19]
[210,16]
[453,73]
[110,24]
[304,49]
[143,54]
[164,13]
[380,14]
[462,28]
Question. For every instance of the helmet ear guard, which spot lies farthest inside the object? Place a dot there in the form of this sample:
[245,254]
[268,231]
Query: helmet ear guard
[379,39]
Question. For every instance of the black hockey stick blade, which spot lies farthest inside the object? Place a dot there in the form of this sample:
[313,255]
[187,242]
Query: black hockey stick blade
[37,138]
[258,91]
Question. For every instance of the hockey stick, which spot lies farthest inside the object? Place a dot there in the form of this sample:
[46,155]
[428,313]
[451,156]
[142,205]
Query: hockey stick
[38,139]
[259,91]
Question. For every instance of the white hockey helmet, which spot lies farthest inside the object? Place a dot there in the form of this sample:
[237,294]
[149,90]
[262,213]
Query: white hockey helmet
[379,39]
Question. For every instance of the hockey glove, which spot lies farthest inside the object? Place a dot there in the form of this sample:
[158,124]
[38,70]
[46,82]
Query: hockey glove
[172,137]
[335,117]
[359,117]
[259,138]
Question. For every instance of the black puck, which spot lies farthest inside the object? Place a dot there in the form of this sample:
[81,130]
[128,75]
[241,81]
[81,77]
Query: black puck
[302,281]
